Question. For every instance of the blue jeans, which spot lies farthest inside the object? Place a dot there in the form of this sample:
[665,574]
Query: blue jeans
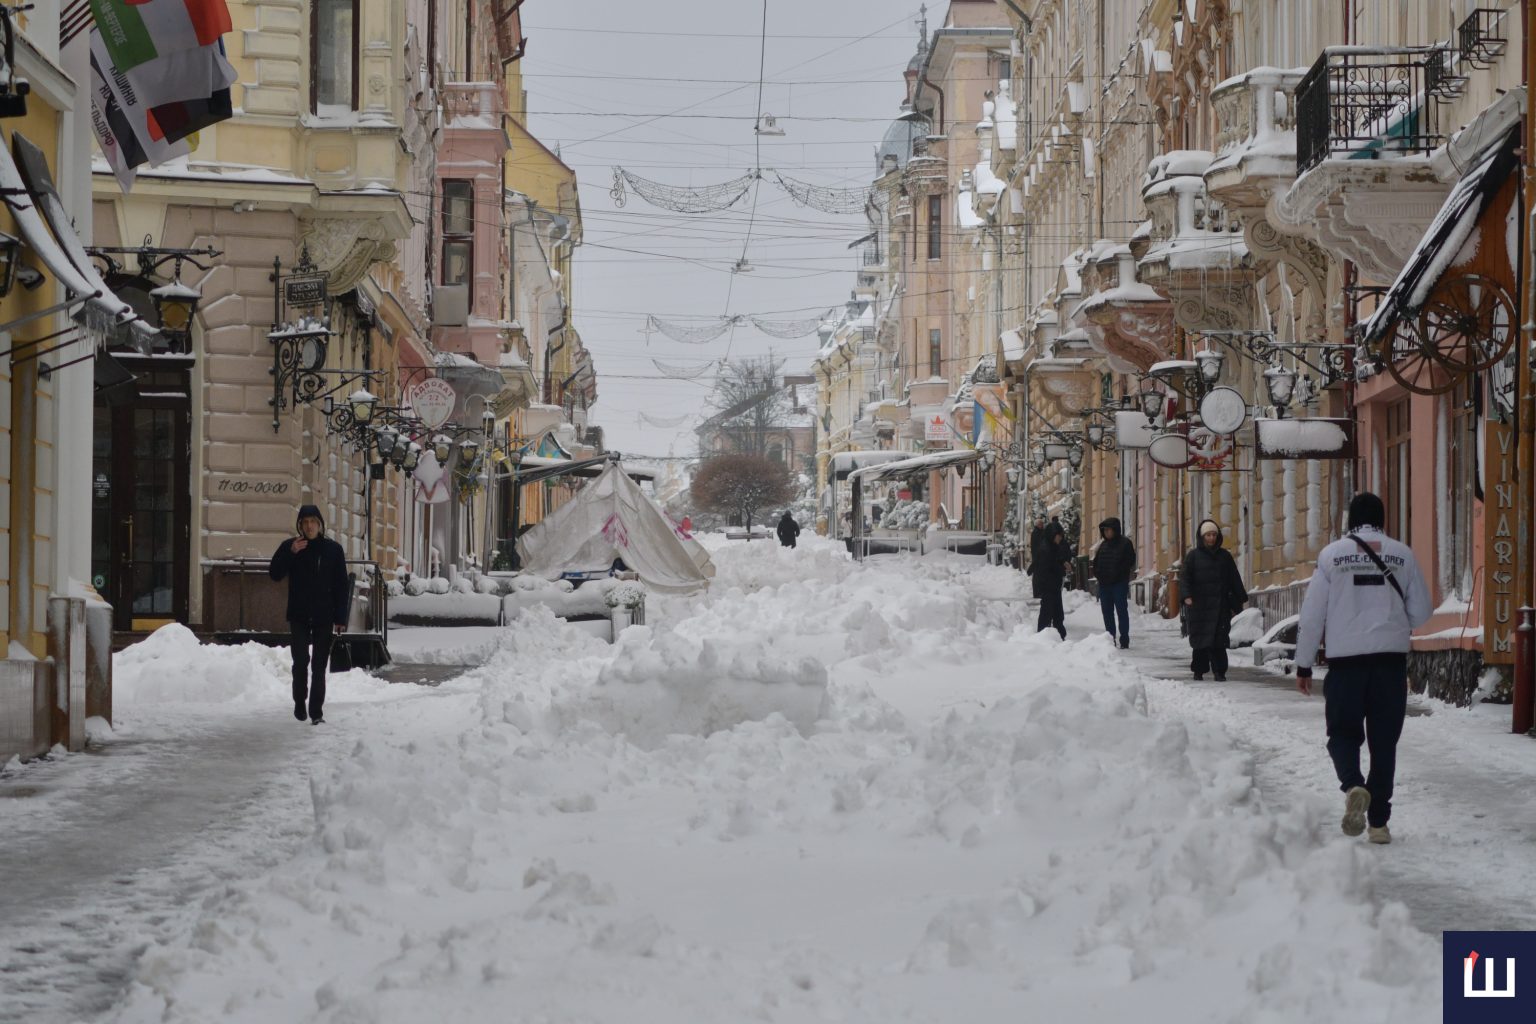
[1114,602]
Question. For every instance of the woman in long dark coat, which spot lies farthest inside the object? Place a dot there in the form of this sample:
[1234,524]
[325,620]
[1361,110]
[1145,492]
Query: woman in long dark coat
[1213,592]
[1050,569]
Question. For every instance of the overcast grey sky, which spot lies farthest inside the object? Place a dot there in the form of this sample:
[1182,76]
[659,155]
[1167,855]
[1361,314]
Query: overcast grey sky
[596,70]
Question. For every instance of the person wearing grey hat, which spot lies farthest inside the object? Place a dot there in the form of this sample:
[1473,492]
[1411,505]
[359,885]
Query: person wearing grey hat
[1213,592]
[318,590]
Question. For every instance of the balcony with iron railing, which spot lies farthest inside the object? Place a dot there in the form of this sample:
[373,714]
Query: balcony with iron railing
[1370,103]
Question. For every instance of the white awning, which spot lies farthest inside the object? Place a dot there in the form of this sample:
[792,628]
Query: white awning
[66,259]
[844,463]
[918,464]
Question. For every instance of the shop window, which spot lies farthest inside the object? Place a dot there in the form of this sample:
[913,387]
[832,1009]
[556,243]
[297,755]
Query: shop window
[333,56]
[458,232]
[1399,475]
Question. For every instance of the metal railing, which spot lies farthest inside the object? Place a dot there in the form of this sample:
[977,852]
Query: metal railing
[1357,102]
[1478,39]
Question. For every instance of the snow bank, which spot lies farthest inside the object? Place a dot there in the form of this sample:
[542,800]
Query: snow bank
[661,685]
[172,666]
[819,792]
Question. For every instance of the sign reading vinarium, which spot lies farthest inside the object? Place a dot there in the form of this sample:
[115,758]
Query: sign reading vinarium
[1499,619]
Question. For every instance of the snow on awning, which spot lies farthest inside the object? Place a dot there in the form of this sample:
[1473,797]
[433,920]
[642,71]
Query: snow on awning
[62,253]
[844,463]
[1446,236]
[920,463]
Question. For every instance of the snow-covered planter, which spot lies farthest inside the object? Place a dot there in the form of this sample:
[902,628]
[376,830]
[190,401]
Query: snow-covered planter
[625,594]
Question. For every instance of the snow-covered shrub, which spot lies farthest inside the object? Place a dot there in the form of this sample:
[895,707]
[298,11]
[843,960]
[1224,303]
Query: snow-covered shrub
[394,588]
[437,585]
[625,594]
[487,585]
[529,582]
[906,515]
[416,586]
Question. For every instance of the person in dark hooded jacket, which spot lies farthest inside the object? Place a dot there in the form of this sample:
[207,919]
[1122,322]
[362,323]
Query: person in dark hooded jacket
[788,530]
[318,590]
[1213,592]
[1052,563]
[1114,565]
[1036,546]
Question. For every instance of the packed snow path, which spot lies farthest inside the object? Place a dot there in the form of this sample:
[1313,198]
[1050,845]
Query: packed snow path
[820,791]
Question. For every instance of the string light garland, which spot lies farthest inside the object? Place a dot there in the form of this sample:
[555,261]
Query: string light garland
[680,199]
[678,371]
[685,335]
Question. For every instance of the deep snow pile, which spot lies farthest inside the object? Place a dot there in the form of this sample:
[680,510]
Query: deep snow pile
[171,666]
[817,792]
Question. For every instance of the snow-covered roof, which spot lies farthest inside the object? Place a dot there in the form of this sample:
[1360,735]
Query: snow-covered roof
[1014,346]
[844,463]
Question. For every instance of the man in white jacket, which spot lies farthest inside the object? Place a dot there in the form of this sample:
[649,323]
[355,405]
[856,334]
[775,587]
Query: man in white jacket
[1363,603]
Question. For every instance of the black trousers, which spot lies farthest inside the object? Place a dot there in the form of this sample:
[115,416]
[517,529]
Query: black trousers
[1366,701]
[1209,659]
[311,643]
[1051,613]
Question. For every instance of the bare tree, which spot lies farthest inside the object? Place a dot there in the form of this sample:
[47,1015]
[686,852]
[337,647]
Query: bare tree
[750,406]
[741,485]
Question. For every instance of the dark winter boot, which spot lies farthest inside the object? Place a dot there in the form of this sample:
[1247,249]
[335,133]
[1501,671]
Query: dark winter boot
[298,710]
[1125,643]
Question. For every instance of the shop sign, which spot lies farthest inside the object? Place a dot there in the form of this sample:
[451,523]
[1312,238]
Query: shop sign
[431,401]
[1499,618]
[936,428]
[304,291]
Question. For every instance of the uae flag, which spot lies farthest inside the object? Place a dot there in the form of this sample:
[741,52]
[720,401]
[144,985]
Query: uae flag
[138,31]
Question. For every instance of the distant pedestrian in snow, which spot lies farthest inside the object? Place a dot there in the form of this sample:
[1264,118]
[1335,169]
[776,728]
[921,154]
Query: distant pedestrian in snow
[1036,547]
[1051,567]
[1213,592]
[788,530]
[1114,565]
[1364,600]
[316,570]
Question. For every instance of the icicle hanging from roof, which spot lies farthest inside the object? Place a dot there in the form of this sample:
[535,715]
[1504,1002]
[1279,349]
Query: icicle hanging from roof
[700,335]
[679,198]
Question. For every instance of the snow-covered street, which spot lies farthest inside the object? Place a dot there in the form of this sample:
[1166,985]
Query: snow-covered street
[818,791]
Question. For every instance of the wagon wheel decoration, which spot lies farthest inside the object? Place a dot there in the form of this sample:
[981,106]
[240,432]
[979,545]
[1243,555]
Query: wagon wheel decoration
[1408,360]
[1468,324]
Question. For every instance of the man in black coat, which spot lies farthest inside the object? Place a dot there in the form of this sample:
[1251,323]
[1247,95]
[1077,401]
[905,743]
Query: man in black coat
[1213,592]
[318,591]
[788,530]
[1052,564]
[1114,566]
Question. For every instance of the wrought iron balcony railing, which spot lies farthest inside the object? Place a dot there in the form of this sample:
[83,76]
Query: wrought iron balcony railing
[1480,39]
[1360,102]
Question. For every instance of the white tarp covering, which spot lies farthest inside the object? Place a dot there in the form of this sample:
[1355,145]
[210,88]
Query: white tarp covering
[612,518]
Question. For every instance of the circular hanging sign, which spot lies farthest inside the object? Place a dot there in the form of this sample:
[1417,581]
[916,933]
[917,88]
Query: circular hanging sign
[432,401]
[1169,450]
[1223,410]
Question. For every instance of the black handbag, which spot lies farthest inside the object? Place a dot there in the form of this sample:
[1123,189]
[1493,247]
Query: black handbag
[341,656]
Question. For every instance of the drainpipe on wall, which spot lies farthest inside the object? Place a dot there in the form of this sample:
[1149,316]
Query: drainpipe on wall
[549,353]
[1525,415]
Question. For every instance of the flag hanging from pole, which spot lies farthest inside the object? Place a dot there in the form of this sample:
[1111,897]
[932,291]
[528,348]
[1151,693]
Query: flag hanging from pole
[137,31]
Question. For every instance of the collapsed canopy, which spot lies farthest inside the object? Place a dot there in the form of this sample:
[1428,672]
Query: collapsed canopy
[612,518]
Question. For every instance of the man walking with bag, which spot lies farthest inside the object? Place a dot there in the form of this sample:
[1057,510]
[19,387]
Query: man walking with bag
[316,569]
[1363,603]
